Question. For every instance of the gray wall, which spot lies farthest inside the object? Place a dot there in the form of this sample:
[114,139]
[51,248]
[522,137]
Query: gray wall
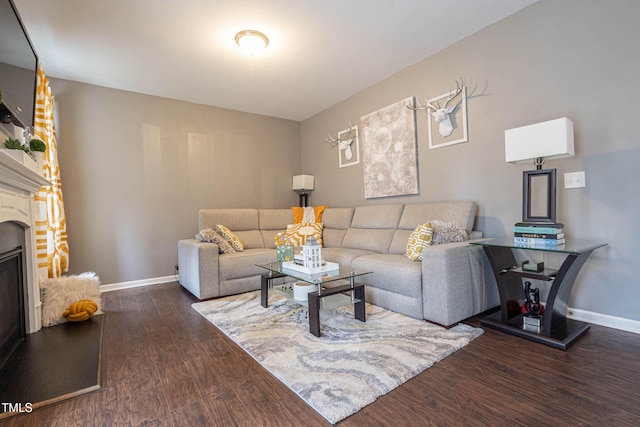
[133,178]
[555,58]
[136,169]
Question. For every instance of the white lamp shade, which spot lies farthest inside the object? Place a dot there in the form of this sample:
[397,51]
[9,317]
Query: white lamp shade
[550,140]
[303,182]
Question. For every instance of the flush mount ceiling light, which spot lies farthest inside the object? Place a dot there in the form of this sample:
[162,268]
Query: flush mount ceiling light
[252,41]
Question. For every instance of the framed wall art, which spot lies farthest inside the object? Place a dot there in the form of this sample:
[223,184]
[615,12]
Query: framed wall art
[389,152]
[349,147]
[447,125]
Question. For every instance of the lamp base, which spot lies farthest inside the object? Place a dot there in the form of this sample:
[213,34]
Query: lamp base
[539,196]
[304,198]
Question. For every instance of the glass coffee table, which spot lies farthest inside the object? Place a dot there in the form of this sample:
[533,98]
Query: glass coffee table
[324,297]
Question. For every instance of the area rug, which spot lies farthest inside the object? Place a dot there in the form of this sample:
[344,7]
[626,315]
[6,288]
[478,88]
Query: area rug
[350,365]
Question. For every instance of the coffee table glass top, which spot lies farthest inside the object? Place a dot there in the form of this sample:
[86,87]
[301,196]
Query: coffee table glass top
[324,277]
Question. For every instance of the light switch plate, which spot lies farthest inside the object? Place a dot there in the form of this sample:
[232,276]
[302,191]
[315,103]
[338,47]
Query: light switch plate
[574,180]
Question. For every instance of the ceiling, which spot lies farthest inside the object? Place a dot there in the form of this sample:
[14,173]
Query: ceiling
[320,52]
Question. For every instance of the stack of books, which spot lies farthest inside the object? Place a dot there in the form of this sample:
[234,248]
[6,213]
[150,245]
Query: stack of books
[528,234]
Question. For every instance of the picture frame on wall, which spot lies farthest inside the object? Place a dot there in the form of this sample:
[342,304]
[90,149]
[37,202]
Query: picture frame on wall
[458,118]
[389,151]
[350,155]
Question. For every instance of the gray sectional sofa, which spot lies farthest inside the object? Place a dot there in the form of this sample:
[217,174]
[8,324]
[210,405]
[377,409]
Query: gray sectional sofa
[449,285]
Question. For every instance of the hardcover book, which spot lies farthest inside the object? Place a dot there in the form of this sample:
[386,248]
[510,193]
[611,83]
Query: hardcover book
[523,227]
[537,242]
[541,225]
[550,236]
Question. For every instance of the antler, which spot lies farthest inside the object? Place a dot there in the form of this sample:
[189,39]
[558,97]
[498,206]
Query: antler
[334,142]
[420,107]
[453,95]
[459,87]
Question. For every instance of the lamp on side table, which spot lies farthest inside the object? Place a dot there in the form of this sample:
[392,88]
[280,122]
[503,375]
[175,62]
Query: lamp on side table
[303,185]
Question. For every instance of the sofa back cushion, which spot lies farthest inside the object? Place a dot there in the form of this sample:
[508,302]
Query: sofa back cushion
[377,216]
[336,221]
[413,215]
[272,222]
[462,213]
[243,223]
[373,227]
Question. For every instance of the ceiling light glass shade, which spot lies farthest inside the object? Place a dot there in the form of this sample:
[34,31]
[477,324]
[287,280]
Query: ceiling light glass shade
[549,140]
[252,41]
[303,183]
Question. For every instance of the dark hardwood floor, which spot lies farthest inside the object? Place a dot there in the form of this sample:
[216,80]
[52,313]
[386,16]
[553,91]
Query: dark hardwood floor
[167,365]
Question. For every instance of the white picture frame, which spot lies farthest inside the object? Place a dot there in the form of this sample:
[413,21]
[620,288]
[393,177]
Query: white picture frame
[355,148]
[458,119]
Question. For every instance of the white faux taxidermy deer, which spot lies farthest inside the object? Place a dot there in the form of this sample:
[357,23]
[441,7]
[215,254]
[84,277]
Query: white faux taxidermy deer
[343,142]
[442,114]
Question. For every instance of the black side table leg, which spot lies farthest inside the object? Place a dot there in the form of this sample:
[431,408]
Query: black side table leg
[314,313]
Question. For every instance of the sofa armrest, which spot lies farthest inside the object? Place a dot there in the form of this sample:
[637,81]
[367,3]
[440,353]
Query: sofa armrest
[455,284]
[198,268]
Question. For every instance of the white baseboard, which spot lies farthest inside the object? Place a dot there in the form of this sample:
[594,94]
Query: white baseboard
[604,320]
[573,313]
[137,283]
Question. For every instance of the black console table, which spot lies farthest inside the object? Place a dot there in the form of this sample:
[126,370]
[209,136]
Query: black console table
[555,329]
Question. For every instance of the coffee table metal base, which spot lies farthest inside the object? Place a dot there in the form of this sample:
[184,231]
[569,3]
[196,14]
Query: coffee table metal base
[315,298]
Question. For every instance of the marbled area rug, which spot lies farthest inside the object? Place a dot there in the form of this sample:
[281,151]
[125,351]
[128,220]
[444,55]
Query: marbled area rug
[350,365]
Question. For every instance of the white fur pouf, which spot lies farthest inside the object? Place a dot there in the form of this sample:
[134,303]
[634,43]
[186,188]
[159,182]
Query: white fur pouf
[61,292]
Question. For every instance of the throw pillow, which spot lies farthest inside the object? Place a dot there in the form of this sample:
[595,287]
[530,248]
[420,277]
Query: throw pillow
[448,232]
[59,293]
[297,234]
[298,213]
[419,238]
[210,235]
[231,238]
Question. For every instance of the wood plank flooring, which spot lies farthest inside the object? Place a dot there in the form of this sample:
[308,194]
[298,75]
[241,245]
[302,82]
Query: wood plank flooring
[167,366]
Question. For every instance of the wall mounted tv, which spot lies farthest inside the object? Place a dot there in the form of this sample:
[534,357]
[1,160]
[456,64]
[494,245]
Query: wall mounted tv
[18,69]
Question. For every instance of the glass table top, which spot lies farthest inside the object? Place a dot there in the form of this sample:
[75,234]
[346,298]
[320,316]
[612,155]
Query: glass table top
[323,277]
[569,247]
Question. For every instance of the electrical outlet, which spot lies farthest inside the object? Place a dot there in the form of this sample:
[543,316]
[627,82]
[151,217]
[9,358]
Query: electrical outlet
[574,180]
[177,268]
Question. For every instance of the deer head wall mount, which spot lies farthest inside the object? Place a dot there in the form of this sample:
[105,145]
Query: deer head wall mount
[344,141]
[441,114]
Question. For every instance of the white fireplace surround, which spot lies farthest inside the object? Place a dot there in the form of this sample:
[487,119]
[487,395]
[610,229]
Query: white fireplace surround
[18,184]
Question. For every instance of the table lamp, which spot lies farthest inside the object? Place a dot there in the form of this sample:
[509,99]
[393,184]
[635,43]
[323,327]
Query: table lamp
[303,185]
[536,143]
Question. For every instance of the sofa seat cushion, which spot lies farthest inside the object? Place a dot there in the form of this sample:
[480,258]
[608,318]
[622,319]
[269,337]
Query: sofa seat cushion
[343,256]
[392,272]
[242,264]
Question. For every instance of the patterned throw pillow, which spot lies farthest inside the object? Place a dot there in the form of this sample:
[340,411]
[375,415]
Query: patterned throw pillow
[448,232]
[419,238]
[298,213]
[210,235]
[231,238]
[297,234]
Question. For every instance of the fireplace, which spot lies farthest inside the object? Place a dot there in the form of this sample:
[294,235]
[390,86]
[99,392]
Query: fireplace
[18,184]
[12,303]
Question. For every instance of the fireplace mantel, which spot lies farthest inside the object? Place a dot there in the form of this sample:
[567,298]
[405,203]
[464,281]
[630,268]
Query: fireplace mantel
[19,176]
[18,184]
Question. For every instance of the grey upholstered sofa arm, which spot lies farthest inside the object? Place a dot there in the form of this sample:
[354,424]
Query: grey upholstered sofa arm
[454,283]
[199,267]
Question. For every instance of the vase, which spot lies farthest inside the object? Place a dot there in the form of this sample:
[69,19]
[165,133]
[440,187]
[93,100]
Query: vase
[39,158]
[288,252]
